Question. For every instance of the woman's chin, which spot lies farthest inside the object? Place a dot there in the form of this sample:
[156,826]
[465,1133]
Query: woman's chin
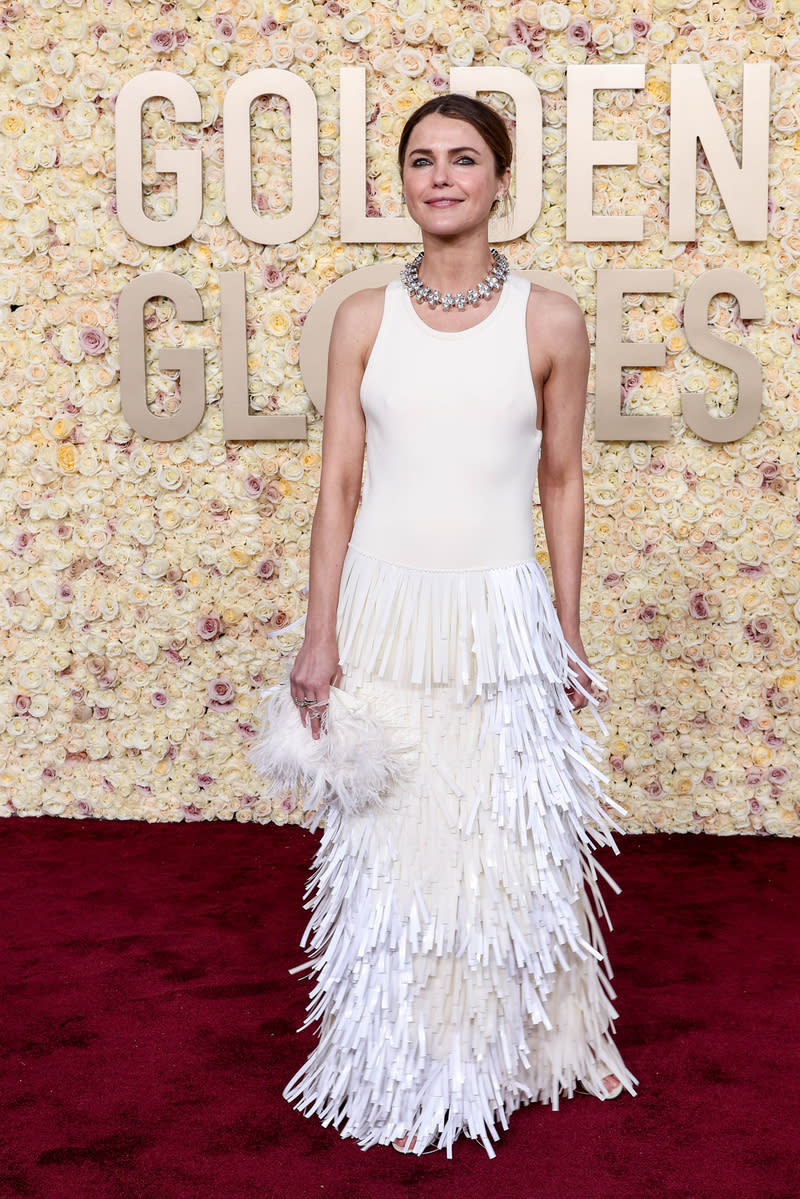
[449,222]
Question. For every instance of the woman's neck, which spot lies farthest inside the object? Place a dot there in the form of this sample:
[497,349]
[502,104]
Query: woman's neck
[455,265]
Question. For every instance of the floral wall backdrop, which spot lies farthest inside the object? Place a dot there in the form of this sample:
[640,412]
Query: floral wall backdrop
[151,589]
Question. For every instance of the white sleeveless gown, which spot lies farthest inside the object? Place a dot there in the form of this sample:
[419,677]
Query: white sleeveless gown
[459,967]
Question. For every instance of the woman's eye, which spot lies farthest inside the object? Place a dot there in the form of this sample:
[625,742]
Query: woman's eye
[420,162]
[465,159]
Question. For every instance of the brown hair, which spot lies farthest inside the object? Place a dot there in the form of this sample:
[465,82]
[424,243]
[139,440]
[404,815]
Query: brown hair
[463,108]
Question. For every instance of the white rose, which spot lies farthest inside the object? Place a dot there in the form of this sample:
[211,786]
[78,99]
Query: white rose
[549,78]
[460,52]
[516,57]
[217,53]
[355,27]
[554,17]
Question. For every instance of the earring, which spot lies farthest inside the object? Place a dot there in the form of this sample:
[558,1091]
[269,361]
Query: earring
[402,197]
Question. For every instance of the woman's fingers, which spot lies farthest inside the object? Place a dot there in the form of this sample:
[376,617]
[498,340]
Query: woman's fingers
[575,695]
[316,718]
[312,704]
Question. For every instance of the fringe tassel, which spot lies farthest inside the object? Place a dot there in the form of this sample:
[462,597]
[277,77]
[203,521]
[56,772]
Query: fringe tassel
[458,964]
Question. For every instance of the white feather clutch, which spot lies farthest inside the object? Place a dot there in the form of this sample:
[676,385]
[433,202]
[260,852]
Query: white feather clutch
[352,765]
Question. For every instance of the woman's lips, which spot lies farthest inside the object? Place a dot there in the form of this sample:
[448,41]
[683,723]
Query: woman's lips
[443,202]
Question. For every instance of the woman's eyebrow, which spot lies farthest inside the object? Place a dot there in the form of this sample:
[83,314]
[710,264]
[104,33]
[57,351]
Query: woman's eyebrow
[455,150]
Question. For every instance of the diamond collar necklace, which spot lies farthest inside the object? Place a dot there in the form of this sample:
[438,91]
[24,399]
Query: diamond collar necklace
[431,295]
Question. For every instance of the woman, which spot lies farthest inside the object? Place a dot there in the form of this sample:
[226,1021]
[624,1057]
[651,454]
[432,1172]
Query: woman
[459,965]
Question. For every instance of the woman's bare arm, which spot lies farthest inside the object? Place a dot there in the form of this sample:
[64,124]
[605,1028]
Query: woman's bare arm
[354,331]
[563,328]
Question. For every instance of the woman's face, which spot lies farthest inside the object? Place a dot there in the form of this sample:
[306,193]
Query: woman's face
[449,176]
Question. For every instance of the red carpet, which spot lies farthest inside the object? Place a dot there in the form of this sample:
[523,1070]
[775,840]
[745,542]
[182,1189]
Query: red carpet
[148,1027]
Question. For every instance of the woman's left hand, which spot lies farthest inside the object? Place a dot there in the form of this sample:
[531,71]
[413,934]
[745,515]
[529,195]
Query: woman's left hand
[577,662]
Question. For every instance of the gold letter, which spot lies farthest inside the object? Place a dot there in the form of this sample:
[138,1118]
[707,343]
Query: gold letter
[740,360]
[612,353]
[270,231]
[238,422]
[584,153]
[189,361]
[185,164]
[527,138]
[355,224]
[693,116]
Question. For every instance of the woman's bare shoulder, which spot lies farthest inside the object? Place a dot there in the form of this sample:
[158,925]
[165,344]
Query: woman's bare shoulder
[361,312]
[551,313]
[356,325]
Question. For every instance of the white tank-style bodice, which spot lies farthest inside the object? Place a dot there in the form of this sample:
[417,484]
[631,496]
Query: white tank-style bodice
[452,445]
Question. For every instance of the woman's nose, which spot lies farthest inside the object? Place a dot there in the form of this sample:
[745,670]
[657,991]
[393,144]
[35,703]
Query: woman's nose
[441,173]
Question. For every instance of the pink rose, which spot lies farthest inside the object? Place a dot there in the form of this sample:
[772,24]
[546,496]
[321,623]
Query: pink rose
[209,627]
[49,774]
[162,41]
[698,608]
[272,277]
[253,486]
[158,699]
[648,612]
[518,33]
[204,780]
[654,789]
[265,569]
[759,7]
[220,694]
[579,32]
[640,27]
[93,341]
[225,27]
[22,704]
[11,14]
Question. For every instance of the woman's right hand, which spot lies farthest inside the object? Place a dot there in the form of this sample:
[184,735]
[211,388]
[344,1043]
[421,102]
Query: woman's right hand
[315,670]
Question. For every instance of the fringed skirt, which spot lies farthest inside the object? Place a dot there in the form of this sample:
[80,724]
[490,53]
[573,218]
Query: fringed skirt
[459,968]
